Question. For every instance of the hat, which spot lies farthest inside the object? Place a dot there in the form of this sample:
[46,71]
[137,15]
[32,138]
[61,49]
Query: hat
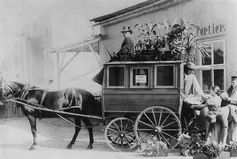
[191,66]
[126,29]
[233,77]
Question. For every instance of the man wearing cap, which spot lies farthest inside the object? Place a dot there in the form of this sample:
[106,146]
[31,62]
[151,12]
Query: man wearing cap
[127,46]
[192,93]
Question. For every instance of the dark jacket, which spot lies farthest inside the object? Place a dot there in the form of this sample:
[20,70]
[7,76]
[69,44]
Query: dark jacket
[127,46]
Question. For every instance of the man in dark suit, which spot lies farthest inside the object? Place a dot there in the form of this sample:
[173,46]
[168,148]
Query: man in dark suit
[125,53]
[127,47]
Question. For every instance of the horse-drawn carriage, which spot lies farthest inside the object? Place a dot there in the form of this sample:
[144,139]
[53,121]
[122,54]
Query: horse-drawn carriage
[140,100]
[143,100]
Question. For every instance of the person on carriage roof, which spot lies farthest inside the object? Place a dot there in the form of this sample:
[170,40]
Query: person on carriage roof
[127,46]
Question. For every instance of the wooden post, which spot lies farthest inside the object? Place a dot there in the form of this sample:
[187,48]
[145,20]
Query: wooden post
[58,72]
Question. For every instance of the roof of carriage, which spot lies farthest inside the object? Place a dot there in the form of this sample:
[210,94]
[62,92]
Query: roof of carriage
[142,62]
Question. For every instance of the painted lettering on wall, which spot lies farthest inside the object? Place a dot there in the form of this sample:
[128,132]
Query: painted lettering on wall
[210,29]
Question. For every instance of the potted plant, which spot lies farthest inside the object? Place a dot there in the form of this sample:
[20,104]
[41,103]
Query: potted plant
[153,148]
[191,143]
[164,41]
[232,148]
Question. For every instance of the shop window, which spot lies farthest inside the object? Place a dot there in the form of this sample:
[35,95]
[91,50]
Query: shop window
[216,62]
[164,76]
[140,77]
[116,76]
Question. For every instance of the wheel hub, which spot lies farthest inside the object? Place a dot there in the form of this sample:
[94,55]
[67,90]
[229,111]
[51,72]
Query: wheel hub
[121,135]
[158,129]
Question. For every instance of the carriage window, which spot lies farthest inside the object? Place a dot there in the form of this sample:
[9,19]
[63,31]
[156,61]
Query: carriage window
[139,77]
[164,76]
[116,76]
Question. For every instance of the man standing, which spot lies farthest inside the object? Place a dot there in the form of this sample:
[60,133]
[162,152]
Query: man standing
[192,93]
[230,99]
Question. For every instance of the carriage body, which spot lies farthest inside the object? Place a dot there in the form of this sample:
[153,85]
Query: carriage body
[130,87]
[141,98]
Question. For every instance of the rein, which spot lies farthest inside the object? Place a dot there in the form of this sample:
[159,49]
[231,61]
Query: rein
[57,112]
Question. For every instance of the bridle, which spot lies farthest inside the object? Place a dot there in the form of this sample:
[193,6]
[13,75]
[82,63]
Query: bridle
[8,92]
[21,94]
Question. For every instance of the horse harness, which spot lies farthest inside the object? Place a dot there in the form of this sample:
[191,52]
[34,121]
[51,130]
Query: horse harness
[26,90]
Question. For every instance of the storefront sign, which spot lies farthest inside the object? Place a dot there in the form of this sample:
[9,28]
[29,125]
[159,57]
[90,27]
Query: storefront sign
[210,29]
[140,79]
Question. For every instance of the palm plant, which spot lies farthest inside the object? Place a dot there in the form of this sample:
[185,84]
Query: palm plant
[174,41]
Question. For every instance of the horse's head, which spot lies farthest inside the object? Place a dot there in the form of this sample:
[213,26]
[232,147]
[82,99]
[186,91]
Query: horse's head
[10,90]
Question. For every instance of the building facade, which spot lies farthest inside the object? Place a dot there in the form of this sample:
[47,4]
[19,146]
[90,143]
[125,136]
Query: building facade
[215,24]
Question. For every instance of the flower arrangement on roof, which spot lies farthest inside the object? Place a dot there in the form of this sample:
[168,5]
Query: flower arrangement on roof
[164,41]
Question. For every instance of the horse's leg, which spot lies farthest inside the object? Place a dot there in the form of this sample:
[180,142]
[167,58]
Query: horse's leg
[32,121]
[77,130]
[89,127]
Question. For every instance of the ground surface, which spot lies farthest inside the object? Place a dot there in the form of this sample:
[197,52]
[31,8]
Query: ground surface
[53,136]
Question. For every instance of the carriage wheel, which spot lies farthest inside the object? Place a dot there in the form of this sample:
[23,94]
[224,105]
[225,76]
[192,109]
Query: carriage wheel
[119,134]
[158,122]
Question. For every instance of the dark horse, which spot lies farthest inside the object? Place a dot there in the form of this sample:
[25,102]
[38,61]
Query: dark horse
[54,100]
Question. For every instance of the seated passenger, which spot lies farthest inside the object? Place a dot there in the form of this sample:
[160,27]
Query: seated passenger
[213,102]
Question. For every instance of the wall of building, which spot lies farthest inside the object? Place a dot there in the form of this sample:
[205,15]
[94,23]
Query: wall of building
[215,20]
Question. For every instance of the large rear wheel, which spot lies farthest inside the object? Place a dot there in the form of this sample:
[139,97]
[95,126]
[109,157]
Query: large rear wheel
[119,134]
[159,122]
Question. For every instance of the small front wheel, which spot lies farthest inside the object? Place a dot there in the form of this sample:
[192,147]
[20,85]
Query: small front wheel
[119,134]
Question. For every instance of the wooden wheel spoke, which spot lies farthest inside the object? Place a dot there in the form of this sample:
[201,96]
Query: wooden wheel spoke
[165,139]
[169,135]
[114,130]
[125,126]
[144,129]
[169,124]
[115,139]
[165,119]
[121,124]
[170,129]
[149,119]
[145,124]
[154,116]
[160,118]
[116,125]
[131,137]
[122,142]
[127,141]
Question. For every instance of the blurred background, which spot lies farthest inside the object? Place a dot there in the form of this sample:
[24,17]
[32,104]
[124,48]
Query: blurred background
[31,29]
